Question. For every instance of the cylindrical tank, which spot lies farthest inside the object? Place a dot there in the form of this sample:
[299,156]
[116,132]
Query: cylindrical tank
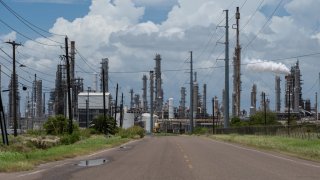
[145,117]
[171,113]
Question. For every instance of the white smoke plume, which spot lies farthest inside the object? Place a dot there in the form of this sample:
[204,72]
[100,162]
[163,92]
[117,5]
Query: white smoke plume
[259,65]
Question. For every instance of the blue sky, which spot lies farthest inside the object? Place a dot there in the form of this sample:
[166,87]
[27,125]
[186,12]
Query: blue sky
[130,36]
[44,13]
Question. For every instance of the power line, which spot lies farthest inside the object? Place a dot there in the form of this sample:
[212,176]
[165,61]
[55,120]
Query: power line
[264,25]
[85,60]
[27,37]
[25,20]
[21,19]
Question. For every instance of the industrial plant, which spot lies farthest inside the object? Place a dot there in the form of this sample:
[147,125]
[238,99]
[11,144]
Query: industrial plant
[149,106]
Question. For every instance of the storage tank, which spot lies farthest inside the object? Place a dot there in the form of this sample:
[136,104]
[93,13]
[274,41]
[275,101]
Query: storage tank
[171,113]
[128,119]
[145,118]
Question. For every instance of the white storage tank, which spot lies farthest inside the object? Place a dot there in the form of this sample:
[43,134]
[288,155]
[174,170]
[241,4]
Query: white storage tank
[145,118]
[171,113]
[128,119]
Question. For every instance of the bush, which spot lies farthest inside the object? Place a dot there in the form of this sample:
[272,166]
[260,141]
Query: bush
[56,125]
[36,132]
[236,122]
[259,118]
[99,124]
[200,130]
[70,138]
[132,132]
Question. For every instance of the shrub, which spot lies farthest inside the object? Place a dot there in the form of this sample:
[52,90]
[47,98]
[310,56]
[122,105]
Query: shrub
[132,132]
[70,138]
[99,124]
[56,125]
[200,130]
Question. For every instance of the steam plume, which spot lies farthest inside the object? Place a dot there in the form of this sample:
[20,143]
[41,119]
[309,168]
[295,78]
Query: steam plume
[259,65]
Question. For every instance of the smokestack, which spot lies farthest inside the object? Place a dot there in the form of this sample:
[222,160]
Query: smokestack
[253,99]
[278,91]
[158,83]
[195,98]
[204,100]
[183,102]
[95,82]
[144,93]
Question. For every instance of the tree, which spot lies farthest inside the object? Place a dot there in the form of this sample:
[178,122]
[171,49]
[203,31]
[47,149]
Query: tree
[236,122]
[259,118]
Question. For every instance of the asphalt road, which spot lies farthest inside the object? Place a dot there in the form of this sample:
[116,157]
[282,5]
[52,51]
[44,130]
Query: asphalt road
[178,157]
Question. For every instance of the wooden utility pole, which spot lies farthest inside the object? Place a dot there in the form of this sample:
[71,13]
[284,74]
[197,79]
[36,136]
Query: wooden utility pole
[69,88]
[104,101]
[14,86]
[121,111]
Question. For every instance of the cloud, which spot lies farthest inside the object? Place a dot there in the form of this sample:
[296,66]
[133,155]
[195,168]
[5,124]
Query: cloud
[9,37]
[114,29]
[53,1]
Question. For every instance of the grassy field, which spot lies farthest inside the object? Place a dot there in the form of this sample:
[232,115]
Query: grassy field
[302,148]
[11,161]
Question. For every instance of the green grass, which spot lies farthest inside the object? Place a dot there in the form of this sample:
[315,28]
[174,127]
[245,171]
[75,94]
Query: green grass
[19,161]
[301,148]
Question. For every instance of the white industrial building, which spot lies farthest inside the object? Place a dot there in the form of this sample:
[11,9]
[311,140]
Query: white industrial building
[90,105]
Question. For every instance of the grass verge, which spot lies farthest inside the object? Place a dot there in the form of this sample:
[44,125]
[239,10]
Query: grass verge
[305,149]
[21,161]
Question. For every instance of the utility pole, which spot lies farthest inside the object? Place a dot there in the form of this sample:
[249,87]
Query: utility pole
[14,86]
[265,112]
[69,87]
[121,111]
[213,116]
[151,100]
[115,109]
[87,107]
[316,106]
[226,94]
[104,101]
[289,110]
[237,70]
[3,123]
[191,93]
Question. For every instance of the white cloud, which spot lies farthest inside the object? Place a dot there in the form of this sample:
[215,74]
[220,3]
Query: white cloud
[113,29]
[9,37]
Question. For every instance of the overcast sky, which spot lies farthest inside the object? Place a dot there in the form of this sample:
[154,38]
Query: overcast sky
[131,32]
